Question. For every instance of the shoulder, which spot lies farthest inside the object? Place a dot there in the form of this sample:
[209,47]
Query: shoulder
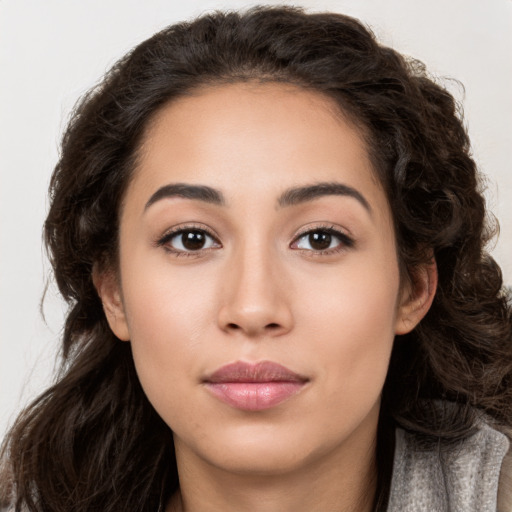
[505,481]
[467,475]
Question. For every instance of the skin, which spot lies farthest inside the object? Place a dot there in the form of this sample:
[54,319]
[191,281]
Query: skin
[259,291]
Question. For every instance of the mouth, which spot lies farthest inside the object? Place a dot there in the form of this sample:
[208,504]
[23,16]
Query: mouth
[254,387]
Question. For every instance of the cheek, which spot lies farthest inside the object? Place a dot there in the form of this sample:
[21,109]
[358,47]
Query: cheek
[352,319]
[170,317]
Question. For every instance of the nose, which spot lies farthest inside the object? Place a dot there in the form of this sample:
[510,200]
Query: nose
[255,296]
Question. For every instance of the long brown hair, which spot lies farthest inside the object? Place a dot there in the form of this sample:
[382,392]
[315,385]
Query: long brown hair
[93,441]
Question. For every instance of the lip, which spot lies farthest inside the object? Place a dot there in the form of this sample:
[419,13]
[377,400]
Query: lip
[254,386]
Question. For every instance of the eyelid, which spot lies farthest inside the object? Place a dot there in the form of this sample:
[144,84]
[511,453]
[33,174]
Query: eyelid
[346,240]
[168,235]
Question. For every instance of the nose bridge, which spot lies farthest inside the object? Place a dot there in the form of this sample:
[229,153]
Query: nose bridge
[254,296]
[254,269]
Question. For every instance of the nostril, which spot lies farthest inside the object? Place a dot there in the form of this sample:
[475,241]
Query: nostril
[233,326]
[273,326]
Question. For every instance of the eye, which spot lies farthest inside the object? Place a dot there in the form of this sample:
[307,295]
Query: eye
[188,240]
[322,240]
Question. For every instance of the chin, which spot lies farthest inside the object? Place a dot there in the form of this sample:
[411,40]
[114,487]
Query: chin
[264,450]
[263,461]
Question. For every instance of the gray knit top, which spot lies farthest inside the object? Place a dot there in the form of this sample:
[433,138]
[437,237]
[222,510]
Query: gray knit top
[454,478]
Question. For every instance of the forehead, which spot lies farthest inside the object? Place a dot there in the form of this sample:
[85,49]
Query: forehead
[248,134]
[247,107]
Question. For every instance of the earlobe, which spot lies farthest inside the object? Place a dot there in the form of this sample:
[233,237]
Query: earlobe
[109,291]
[416,297]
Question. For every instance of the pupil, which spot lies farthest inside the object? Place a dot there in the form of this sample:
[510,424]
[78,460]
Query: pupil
[320,240]
[193,240]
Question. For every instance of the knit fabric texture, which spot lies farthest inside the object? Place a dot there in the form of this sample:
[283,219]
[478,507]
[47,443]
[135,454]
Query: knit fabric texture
[461,477]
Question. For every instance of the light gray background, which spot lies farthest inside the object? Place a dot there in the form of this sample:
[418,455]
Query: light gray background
[52,51]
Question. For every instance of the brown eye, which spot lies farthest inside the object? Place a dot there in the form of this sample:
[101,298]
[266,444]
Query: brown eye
[320,240]
[188,240]
[193,240]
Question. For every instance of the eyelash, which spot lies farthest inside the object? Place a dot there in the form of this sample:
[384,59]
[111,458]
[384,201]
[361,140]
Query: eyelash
[165,240]
[345,241]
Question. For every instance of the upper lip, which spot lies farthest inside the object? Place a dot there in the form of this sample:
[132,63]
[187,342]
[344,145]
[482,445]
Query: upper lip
[264,371]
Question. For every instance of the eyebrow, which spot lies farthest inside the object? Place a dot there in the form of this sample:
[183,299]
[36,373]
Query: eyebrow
[298,195]
[290,197]
[199,192]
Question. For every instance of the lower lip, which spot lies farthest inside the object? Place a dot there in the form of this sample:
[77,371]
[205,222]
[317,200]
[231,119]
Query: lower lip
[254,396]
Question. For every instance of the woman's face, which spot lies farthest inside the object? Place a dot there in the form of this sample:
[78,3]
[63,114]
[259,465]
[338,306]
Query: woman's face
[259,283]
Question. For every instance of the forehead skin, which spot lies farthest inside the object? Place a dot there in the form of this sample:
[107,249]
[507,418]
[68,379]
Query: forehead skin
[200,110]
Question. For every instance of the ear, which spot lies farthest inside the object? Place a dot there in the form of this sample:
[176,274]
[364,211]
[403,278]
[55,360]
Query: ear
[109,291]
[416,297]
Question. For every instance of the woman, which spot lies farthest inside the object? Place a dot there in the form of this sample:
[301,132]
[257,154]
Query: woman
[271,236]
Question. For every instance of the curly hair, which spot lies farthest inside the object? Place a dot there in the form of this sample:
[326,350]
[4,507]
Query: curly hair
[93,441]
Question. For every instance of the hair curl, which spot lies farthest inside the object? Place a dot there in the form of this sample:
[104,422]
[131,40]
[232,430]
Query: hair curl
[93,441]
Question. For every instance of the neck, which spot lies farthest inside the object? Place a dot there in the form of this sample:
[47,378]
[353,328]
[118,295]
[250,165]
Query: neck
[300,493]
[343,481]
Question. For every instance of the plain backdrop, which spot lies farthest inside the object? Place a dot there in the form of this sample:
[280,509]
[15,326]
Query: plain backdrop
[52,51]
